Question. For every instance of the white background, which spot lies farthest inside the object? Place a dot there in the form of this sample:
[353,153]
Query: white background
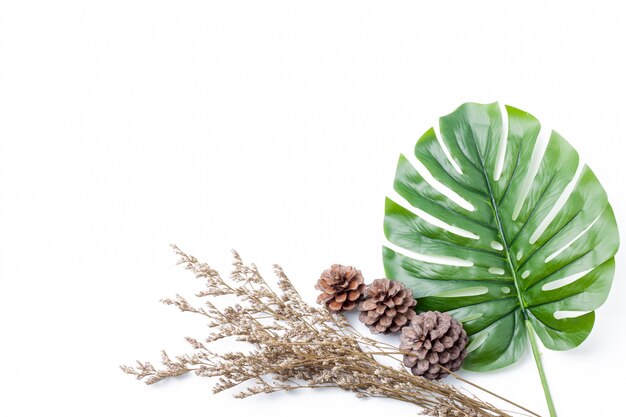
[272,127]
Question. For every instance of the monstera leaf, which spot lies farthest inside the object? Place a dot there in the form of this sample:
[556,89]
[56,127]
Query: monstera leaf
[488,238]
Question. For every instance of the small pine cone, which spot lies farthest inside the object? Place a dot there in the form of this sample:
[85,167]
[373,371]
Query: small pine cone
[434,339]
[387,306]
[341,286]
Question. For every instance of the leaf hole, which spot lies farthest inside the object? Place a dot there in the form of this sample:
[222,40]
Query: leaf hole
[504,136]
[519,255]
[505,290]
[401,201]
[558,205]
[425,173]
[496,245]
[558,252]
[533,168]
[496,271]
[568,314]
[463,292]
[525,274]
[446,151]
[556,284]
[433,259]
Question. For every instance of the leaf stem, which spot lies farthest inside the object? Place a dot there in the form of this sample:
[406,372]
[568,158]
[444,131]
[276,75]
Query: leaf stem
[529,328]
[537,355]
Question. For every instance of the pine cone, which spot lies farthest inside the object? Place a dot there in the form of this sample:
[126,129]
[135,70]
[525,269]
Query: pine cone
[341,286]
[387,306]
[434,339]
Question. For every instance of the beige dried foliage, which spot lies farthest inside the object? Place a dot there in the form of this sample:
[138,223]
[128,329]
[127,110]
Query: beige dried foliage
[296,346]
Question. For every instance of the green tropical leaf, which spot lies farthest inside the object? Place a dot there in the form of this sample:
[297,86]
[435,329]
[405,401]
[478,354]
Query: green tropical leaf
[496,238]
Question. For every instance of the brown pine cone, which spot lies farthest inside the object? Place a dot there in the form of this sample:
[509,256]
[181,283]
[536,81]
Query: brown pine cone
[434,339]
[341,286]
[387,306]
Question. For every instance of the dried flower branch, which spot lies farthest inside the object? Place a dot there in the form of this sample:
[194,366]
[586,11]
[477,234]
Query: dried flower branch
[296,346]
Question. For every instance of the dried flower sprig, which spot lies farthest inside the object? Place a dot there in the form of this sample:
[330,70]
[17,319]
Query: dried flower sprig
[296,346]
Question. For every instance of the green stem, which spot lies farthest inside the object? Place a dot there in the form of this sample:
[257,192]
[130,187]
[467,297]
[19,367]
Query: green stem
[537,355]
[529,328]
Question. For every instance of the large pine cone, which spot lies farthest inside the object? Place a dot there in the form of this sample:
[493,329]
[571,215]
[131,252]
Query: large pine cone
[434,339]
[387,306]
[341,286]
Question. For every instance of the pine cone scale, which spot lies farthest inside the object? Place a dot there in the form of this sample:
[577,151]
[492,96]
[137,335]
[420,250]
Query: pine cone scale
[354,295]
[340,298]
[354,284]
